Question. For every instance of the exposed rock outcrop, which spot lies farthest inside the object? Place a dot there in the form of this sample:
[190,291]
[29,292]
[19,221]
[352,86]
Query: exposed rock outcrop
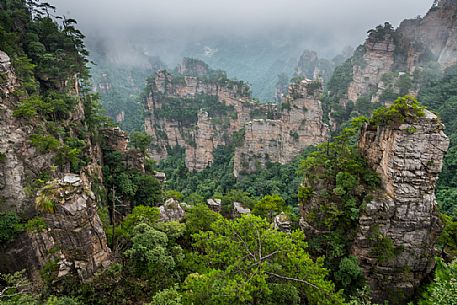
[199,133]
[411,47]
[8,80]
[378,59]
[215,204]
[239,210]
[227,109]
[171,210]
[282,223]
[300,125]
[75,227]
[312,67]
[435,33]
[74,238]
[403,215]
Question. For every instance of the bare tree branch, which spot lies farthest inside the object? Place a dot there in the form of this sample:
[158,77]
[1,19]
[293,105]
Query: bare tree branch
[293,279]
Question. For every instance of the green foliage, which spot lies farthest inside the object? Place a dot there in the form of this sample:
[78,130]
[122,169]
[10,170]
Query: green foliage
[148,190]
[45,203]
[443,290]
[349,275]
[362,297]
[438,93]
[275,178]
[44,143]
[167,297]
[380,33]
[199,219]
[140,215]
[53,300]
[294,135]
[269,206]
[140,140]
[447,241]
[113,285]
[16,289]
[2,157]
[10,227]
[335,209]
[382,246]
[31,107]
[173,194]
[36,225]
[233,196]
[185,110]
[150,257]
[128,185]
[248,260]
[27,298]
[404,110]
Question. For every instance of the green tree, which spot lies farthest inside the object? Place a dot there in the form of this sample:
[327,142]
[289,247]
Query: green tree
[269,206]
[167,297]
[148,190]
[140,140]
[151,258]
[247,260]
[443,290]
[10,227]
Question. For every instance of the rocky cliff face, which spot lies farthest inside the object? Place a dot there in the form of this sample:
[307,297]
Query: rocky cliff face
[386,64]
[298,126]
[73,239]
[377,59]
[402,219]
[196,131]
[200,113]
[436,32]
[312,67]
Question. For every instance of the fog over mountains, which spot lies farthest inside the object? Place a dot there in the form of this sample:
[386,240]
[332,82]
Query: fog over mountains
[252,40]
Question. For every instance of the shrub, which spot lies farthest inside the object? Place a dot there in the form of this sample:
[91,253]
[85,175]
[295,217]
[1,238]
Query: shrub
[43,203]
[404,109]
[44,143]
[10,227]
[35,225]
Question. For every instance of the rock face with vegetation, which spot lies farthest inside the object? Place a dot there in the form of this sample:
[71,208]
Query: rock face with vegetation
[394,62]
[434,34]
[199,109]
[376,60]
[68,235]
[299,125]
[399,227]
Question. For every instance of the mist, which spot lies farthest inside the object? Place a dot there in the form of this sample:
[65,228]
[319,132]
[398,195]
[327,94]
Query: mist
[326,23]
[235,35]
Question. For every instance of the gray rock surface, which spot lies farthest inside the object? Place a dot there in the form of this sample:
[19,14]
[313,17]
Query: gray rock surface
[215,204]
[171,210]
[282,223]
[239,210]
[408,159]
[74,237]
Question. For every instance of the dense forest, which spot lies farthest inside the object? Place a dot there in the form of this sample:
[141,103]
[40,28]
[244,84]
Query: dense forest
[206,256]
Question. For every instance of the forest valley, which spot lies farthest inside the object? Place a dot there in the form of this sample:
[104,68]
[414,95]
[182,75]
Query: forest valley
[91,214]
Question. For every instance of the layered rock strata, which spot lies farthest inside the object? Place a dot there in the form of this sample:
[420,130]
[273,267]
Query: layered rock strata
[300,125]
[73,240]
[403,215]
[266,133]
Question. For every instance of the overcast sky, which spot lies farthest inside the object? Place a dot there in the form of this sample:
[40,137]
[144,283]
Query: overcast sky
[323,24]
[341,16]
